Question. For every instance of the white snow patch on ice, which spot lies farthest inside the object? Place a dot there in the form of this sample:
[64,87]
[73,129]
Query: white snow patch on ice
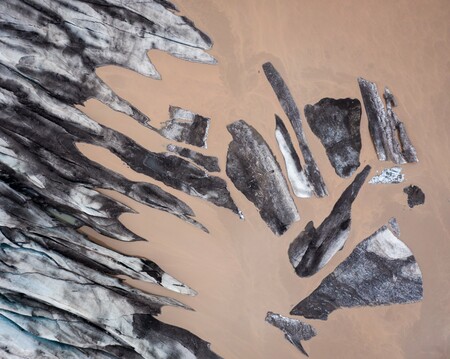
[387,245]
[300,184]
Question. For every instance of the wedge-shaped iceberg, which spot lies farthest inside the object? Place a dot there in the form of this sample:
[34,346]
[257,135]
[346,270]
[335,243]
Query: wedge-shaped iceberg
[381,270]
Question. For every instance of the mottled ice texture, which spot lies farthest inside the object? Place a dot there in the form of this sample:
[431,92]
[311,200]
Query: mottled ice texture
[255,172]
[293,114]
[415,195]
[387,131]
[388,175]
[294,330]
[381,270]
[312,249]
[336,123]
[186,126]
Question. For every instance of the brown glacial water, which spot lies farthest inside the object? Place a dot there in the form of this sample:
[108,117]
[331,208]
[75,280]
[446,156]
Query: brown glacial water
[241,270]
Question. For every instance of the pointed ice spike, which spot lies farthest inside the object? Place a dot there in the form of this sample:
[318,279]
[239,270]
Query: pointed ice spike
[294,330]
[313,248]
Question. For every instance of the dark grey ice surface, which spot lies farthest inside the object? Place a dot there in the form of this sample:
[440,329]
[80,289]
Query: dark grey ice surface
[337,124]
[186,126]
[314,247]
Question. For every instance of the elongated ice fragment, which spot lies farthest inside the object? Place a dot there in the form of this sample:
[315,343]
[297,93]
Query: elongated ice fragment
[387,131]
[290,108]
[209,163]
[255,172]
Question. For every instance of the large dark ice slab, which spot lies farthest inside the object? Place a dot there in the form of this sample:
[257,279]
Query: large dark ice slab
[209,163]
[381,270]
[387,131]
[294,330]
[255,172]
[314,247]
[186,126]
[293,114]
[296,174]
[415,195]
[337,124]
